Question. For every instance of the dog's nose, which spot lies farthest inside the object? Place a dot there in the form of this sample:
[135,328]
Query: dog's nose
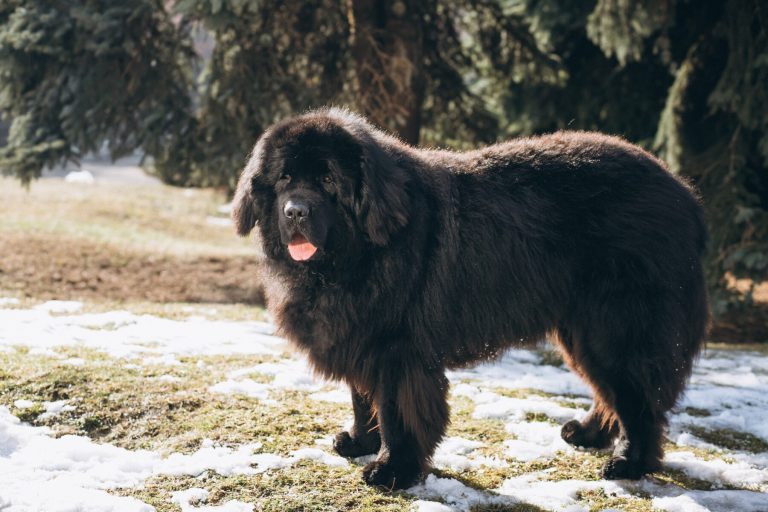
[295,210]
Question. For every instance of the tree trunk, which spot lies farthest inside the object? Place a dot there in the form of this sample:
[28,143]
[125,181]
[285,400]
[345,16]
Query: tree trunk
[388,52]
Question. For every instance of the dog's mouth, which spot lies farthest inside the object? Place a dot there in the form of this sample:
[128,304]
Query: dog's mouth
[300,248]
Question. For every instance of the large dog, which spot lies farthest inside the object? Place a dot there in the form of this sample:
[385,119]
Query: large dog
[389,264]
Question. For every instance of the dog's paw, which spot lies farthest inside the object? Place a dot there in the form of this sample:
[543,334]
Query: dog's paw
[620,468]
[348,446]
[391,475]
[575,434]
[572,433]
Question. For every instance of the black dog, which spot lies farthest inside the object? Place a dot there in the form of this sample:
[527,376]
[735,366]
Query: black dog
[390,264]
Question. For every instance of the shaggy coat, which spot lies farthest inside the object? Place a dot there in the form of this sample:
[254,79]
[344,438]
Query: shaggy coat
[390,264]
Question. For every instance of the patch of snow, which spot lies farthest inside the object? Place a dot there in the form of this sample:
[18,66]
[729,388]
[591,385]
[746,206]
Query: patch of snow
[165,359]
[44,351]
[338,396]
[455,493]
[731,385]
[716,470]
[534,440]
[80,177]
[55,408]
[430,506]
[123,334]
[523,369]
[710,501]
[554,495]
[190,499]
[60,306]
[23,404]
[8,301]
[319,456]
[286,374]
[74,361]
[453,453]
[245,387]
[492,405]
[71,473]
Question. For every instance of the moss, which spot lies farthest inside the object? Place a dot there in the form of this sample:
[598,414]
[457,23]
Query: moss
[29,414]
[489,431]
[681,479]
[569,466]
[597,500]
[308,486]
[730,439]
[513,507]
[540,417]
[696,412]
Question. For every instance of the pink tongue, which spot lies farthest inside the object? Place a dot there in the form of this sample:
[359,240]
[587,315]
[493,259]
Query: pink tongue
[301,250]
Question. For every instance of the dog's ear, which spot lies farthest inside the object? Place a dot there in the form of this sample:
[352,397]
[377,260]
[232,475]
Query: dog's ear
[244,203]
[385,203]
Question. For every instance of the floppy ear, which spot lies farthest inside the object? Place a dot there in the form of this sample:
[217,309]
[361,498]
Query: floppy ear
[385,203]
[244,202]
[243,207]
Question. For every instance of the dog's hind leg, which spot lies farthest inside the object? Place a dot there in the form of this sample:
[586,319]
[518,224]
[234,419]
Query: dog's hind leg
[363,438]
[597,429]
[412,409]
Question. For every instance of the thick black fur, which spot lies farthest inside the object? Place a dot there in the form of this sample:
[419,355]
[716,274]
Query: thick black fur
[430,260]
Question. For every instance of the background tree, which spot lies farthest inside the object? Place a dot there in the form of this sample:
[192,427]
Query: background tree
[686,79]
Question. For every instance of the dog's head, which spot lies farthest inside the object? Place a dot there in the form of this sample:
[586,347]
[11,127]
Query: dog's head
[320,185]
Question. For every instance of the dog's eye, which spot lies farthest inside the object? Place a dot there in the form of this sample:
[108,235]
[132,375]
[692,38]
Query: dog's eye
[285,177]
[327,179]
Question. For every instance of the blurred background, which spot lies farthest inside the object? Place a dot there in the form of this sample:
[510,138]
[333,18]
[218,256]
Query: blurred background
[124,123]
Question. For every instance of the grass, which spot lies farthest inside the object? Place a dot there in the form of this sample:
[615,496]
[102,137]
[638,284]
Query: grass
[119,243]
[151,250]
[133,408]
[154,218]
[730,439]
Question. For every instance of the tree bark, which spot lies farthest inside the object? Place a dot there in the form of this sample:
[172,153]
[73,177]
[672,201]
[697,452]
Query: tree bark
[388,52]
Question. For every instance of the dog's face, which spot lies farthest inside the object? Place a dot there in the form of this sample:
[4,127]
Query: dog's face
[318,191]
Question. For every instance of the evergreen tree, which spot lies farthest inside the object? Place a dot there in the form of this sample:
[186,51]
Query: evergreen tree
[686,79]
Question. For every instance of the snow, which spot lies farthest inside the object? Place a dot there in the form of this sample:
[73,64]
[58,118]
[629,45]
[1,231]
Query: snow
[337,396]
[55,408]
[246,387]
[71,473]
[40,472]
[81,177]
[706,501]
[553,495]
[60,306]
[534,440]
[716,470]
[430,506]
[125,335]
[188,500]
[455,493]
[456,454]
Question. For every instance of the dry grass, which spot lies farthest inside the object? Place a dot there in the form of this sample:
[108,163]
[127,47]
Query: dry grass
[122,243]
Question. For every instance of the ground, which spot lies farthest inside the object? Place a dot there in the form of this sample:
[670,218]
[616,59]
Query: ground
[169,391]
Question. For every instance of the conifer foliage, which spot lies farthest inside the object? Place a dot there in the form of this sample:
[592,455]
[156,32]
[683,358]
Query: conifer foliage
[688,80]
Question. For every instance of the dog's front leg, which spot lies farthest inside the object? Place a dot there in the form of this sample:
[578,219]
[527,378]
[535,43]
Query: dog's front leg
[411,406]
